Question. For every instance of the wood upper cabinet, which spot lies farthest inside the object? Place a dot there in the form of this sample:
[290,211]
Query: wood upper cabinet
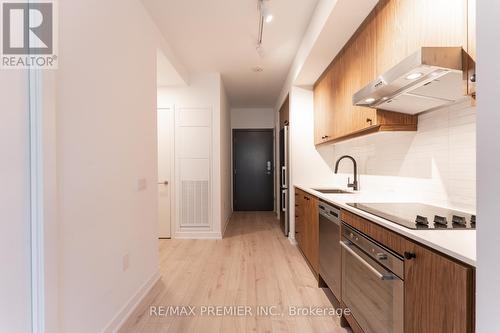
[471,47]
[393,30]
[359,66]
[322,106]
[307,227]
[402,27]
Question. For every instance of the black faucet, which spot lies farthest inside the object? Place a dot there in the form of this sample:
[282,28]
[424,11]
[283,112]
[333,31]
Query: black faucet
[354,184]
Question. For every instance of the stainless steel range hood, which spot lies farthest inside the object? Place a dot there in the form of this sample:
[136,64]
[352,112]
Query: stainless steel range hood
[429,78]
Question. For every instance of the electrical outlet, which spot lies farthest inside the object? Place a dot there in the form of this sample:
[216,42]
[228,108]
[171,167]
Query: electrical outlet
[125,262]
[142,184]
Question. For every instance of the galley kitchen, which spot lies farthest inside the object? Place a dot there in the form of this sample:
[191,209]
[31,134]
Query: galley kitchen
[282,166]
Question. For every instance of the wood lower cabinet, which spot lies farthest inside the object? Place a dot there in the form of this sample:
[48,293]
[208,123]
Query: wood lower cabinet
[299,218]
[307,227]
[438,291]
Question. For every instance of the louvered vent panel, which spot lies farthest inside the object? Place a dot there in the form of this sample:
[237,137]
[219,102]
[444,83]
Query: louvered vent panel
[194,210]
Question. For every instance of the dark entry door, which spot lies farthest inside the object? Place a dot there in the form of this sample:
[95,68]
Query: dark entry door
[253,170]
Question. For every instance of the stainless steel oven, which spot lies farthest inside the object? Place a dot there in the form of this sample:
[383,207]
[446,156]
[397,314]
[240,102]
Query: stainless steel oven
[372,283]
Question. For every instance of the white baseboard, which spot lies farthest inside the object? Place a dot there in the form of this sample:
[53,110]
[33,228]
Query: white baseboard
[292,240]
[225,225]
[122,315]
[197,235]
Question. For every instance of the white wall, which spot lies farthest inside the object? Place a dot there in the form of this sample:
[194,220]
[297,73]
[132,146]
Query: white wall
[252,118]
[204,90]
[15,279]
[488,138]
[106,142]
[308,165]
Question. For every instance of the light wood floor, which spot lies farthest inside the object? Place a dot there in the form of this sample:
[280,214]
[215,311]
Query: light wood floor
[253,265]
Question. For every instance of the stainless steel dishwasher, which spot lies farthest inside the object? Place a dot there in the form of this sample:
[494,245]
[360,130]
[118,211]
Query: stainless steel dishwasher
[372,283]
[330,266]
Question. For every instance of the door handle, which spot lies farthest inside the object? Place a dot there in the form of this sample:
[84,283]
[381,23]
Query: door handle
[283,200]
[163,183]
[365,263]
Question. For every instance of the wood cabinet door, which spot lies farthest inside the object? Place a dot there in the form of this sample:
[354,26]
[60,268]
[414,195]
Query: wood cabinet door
[335,118]
[299,219]
[404,26]
[359,67]
[307,227]
[438,293]
[313,233]
[321,100]
[318,115]
[306,230]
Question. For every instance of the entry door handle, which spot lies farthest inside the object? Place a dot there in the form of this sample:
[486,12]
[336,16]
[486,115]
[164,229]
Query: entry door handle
[163,183]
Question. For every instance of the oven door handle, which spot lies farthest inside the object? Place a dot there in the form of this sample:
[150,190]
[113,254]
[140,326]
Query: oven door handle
[379,275]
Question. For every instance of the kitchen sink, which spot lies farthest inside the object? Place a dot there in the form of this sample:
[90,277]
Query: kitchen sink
[331,191]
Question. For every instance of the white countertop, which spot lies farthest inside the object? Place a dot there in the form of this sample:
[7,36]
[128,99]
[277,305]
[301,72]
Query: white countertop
[459,244]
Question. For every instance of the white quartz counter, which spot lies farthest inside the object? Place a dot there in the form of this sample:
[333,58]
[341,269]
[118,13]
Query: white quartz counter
[458,244]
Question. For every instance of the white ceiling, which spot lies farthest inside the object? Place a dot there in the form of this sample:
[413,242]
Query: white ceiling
[221,36]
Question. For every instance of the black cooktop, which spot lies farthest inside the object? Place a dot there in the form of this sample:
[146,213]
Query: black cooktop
[419,216]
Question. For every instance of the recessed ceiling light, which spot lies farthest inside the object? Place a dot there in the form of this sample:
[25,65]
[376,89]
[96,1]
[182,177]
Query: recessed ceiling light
[257,69]
[414,76]
[370,100]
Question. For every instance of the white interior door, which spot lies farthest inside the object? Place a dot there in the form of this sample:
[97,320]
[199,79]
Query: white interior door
[165,148]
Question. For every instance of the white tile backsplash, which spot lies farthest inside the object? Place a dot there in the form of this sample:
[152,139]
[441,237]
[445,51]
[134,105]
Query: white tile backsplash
[436,164]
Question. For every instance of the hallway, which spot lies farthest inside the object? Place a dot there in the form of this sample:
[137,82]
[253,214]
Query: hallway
[254,265]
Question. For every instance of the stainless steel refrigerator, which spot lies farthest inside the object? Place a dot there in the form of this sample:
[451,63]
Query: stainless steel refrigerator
[284,181]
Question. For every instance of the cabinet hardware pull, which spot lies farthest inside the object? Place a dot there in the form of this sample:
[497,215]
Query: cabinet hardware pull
[365,263]
[410,255]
